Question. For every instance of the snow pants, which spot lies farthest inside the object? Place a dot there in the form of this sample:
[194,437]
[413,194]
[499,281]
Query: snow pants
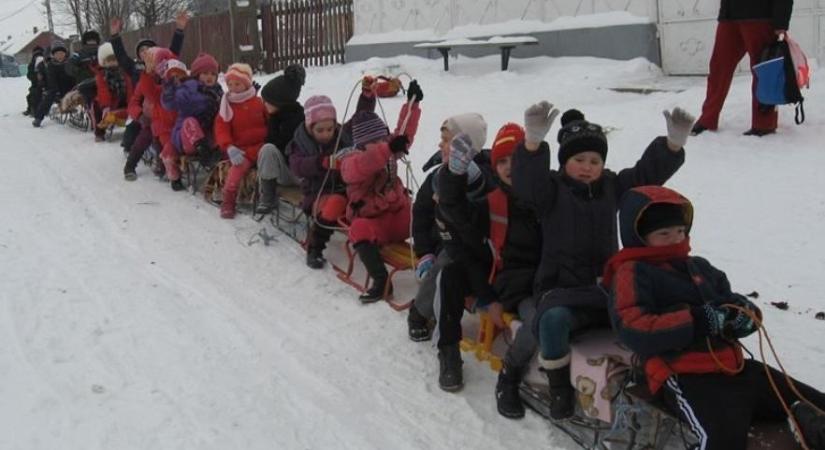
[524,344]
[190,134]
[384,229]
[235,176]
[34,98]
[423,302]
[330,208]
[733,40]
[719,408]
[453,287]
[141,142]
[273,165]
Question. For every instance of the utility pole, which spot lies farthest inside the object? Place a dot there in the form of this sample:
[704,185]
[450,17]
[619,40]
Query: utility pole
[48,4]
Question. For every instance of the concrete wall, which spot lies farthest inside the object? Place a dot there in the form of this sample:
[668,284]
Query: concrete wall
[621,42]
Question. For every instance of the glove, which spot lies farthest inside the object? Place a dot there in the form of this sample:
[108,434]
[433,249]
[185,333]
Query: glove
[679,124]
[425,263]
[461,154]
[708,320]
[236,155]
[398,144]
[738,324]
[368,85]
[414,92]
[538,119]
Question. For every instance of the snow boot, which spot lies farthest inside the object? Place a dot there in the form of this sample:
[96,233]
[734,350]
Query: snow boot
[177,185]
[315,258]
[698,129]
[36,123]
[562,397]
[812,425]
[316,243]
[129,175]
[370,255]
[758,133]
[450,375]
[268,200]
[508,400]
[418,326]
[228,205]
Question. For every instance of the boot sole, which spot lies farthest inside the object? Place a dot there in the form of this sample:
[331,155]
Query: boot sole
[455,388]
[510,415]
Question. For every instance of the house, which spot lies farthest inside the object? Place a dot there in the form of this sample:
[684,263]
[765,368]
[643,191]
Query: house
[22,51]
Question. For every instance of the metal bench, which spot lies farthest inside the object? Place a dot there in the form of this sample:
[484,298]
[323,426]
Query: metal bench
[505,44]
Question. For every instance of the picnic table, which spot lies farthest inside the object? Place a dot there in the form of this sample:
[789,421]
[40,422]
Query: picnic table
[505,44]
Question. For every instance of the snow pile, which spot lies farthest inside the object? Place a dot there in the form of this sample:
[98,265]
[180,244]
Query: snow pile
[134,318]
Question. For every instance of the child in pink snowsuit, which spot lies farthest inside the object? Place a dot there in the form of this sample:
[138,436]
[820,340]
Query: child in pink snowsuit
[379,204]
[240,130]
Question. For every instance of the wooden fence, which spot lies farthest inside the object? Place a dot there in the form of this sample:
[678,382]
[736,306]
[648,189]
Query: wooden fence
[229,37]
[307,32]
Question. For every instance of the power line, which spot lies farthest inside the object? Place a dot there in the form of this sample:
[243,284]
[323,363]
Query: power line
[18,11]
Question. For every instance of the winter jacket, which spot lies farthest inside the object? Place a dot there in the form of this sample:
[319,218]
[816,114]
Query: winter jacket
[163,120]
[425,234]
[777,11]
[280,127]
[371,174]
[247,130]
[114,88]
[191,99]
[653,304]
[83,64]
[57,79]
[306,158]
[135,66]
[33,72]
[578,220]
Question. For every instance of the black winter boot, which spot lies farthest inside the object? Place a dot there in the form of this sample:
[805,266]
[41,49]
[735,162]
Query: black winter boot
[508,400]
[450,375]
[268,200]
[418,326]
[562,398]
[812,425]
[315,258]
[316,243]
[370,255]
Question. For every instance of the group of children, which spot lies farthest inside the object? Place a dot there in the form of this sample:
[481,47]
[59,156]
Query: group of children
[494,229]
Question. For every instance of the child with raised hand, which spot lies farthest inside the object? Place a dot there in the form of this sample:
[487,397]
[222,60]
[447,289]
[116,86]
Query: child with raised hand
[379,205]
[576,207]
[196,100]
[240,130]
[678,313]
[115,87]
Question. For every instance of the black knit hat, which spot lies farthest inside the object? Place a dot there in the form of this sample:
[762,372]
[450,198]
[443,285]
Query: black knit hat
[90,35]
[144,42]
[58,46]
[37,50]
[578,135]
[658,216]
[284,88]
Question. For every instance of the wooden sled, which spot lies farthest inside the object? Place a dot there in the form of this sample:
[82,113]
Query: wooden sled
[247,191]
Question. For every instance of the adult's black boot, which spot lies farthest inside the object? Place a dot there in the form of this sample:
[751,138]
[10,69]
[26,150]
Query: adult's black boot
[508,400]
[450,374]
[370,255]
[268,199]
[562,394]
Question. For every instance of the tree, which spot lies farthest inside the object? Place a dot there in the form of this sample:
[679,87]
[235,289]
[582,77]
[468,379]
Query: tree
[149,13]
[93,14]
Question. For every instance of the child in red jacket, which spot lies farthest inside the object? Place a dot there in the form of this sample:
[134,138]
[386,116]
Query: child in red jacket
[114,89]
[240,130]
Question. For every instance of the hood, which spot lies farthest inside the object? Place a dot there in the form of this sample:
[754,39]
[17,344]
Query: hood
[634,203]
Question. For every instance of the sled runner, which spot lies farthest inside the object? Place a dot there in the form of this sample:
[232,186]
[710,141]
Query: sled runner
[247,191]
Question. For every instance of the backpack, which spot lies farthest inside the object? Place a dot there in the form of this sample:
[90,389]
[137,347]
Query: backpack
[780,74]
[387,86]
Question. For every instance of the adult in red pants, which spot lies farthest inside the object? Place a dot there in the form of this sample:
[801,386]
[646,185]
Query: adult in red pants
[745,26]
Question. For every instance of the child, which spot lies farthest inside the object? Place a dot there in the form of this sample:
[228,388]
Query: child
[58,81]
[312,159]
[284,116]
[240,130]
[379,205]
[671,309]
[196,101]
[114,87]
[35,78]
[577,211]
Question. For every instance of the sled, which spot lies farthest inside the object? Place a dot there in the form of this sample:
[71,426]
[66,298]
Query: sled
[289,217]
[398,256]
[482,345]
[247,190]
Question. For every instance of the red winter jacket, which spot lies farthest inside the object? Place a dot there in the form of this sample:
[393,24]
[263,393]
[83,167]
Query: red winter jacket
[373,186]
[104,96]
[163,120]
[246,130]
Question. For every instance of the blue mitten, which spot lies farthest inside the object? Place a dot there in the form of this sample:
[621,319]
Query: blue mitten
[461,153]
[425,263]
[236,155]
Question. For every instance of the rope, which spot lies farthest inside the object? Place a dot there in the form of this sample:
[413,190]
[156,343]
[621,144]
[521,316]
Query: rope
[764,337]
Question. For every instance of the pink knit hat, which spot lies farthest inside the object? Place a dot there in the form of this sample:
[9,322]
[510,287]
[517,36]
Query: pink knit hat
[318,108]
[240,72]
[204,63]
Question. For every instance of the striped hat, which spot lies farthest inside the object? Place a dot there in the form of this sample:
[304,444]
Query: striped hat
[318,108]
[240,72]
[367,127]
[507,139]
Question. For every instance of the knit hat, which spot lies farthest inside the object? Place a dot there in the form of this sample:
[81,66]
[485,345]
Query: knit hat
[318,108]
[658,216]
[37,50]
[285,88]
[471,124]
[239,72]
[156,56]
[506,141]
[58,46]
[367,127]
[204,63]
[578,135]
[144,42]
[172,68]
[90,36]
[105,52]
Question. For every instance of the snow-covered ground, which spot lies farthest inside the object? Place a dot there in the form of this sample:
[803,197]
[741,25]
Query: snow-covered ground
[134,318]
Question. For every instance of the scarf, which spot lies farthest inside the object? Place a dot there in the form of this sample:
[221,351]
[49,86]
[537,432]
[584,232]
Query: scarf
[225,110]
[646,254]
[117,85]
